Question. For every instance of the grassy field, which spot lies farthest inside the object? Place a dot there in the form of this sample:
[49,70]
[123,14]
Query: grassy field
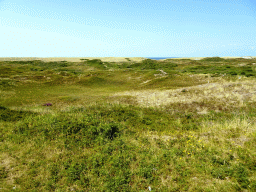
[172,125]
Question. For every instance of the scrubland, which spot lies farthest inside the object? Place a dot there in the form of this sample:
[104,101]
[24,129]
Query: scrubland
[172,125]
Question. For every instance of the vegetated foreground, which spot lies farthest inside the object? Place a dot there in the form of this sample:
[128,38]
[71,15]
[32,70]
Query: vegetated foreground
[173,125]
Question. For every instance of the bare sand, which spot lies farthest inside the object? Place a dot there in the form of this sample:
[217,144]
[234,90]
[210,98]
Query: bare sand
[104,59]
[199,58]
[73,59]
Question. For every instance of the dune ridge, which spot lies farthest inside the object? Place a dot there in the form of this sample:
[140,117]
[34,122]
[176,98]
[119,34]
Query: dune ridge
[104,59]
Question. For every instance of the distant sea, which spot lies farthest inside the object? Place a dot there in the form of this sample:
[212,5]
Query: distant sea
[158,58]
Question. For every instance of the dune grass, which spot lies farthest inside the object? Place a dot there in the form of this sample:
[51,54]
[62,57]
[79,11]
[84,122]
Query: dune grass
[173,125]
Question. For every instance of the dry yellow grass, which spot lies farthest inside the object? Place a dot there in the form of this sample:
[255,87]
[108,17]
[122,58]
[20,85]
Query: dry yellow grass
[221,92]
[237,130]
[199,58]
[72,59]
[104,59]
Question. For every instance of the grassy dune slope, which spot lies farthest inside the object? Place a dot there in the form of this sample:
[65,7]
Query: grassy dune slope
[171,125]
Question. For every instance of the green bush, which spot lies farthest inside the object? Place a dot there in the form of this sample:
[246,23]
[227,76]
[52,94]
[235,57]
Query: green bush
[213,59]
[41,64]
[233,73]
[249,75]
[96,63]
[149,64]
[3,173]
[6,84]
[87,131]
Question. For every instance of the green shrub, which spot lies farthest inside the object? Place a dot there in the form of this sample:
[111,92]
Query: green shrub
[2,108]
[146,64]
[149,64]
[213,59]
[3,173]
[96,63]
[38,65]
[249,75]
[233,73]
[6,84]
[13,115]
[87,131]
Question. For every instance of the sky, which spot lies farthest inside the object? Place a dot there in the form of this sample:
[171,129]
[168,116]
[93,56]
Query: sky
[127,28]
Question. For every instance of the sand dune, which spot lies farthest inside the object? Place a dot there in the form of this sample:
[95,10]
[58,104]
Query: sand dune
[198,58]
[104,59]
[72,59]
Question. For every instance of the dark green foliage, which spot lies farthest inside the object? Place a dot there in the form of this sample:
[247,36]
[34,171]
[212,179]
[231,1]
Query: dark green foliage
[110,168]
[63,64]
[219,161]
[241,174]
[2,108]
[190,122]
[50,65]
[5,71]
[93,81]
[74,171]
[118,175]
[3,172]
[36,68]
[40,65]
[72,71]
[246,68]
[222,172]
[24,62]
[223,169]
[96,63]
[75,132]
[249,75]
[217,70]
[135,116]
[6,84]
[233,73]
[111,156]
[110,131]
[122,66]
[213,59]
[54,170]
[13,115]
[149,64]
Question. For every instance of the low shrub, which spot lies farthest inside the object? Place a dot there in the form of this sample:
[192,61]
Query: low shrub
[13,115]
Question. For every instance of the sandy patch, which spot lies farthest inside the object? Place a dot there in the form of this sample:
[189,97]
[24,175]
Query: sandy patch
[73,59]
[199,58]
[104,59]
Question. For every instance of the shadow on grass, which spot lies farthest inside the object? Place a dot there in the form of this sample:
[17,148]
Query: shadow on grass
[7,114]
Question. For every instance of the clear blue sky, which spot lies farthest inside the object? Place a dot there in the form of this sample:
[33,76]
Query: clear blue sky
[127,28]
